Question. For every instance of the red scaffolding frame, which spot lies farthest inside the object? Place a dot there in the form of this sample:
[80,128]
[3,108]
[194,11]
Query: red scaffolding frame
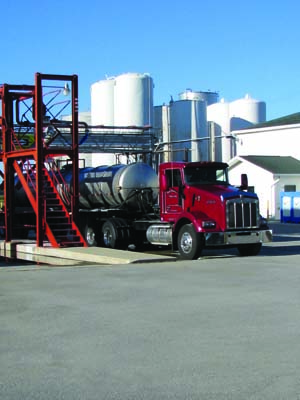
[13,154]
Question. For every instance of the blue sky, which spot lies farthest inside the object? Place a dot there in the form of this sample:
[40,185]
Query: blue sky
[232,47]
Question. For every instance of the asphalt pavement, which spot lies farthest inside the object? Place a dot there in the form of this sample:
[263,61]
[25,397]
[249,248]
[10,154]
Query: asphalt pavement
[221,327]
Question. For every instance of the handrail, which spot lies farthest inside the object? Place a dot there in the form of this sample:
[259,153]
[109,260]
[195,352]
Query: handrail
[59,181]
[29,173]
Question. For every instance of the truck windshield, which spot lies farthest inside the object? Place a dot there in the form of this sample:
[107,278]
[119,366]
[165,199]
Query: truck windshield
[208,175]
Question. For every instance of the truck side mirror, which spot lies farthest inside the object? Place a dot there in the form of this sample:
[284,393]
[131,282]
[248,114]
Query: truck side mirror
[244,181]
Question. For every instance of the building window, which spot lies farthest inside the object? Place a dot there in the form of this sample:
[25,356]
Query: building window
[290,188]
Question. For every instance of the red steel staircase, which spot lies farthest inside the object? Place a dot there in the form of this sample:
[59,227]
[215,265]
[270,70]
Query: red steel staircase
[59,228]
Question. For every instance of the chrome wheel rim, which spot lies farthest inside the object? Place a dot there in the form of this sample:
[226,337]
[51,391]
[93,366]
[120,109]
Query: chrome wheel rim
[107,237]
[186,242]
[90,236]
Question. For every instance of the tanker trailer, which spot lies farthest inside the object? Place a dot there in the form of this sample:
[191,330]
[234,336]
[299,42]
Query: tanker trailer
[131,187]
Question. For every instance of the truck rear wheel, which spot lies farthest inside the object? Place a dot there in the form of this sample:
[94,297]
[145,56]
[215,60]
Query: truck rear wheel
[189,242]
[115,233]
[109,234]
[252,249]
[90,235]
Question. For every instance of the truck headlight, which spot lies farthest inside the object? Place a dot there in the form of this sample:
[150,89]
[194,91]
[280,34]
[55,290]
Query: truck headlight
[208,224]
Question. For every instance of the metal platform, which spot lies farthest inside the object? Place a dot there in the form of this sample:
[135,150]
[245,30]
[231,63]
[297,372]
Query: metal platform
[58,135]
[115,141]
[28,251]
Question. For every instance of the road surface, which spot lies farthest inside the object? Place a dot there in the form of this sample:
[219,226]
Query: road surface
[221,327]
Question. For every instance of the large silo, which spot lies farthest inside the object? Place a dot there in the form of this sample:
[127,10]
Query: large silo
[102,113]
[133,100]
[102,102]
[188,130]
[218,115]
[246,112]
[208,96]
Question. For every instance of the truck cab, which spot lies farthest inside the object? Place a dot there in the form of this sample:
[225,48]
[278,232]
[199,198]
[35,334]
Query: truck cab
[203,210]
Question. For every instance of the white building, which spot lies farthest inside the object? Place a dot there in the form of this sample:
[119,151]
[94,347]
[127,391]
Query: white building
[268,176]
[280,137]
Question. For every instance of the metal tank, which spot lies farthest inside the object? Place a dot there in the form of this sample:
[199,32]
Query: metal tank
[133,100]
[102,113]
[188,131]
[102,102]
[208,96]
[246,112]
[133,186]
[221,140]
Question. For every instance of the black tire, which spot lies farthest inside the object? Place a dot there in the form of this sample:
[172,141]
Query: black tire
[90,235]
[247,250]
[124,233]
[189,243]
[115,233]
[109,234]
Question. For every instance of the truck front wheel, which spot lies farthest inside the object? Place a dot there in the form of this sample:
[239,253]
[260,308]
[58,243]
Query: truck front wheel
[189,242]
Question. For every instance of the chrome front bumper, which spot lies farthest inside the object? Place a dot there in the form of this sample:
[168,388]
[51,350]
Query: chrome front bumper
[237,237]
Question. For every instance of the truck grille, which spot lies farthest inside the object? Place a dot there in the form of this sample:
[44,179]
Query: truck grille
[242,213]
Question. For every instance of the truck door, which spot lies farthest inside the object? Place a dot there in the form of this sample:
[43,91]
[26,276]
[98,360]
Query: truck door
[173,195]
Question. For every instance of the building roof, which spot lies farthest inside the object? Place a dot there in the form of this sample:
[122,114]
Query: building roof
[274,164]
[286,120]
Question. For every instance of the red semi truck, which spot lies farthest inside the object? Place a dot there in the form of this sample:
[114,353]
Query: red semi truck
[200,209]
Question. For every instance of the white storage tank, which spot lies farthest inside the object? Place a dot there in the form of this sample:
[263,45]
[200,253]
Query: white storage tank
[219,116]
[209,97]
[102,102]
[246,112]
[102,113]
[133,100]
[219,113]
[187,123]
